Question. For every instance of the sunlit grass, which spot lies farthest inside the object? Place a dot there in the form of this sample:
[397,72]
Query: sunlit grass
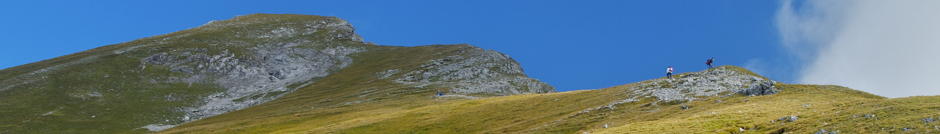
[832,108]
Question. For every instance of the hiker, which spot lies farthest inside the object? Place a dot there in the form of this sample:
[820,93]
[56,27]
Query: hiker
[669,72]
[710,61]
[439,93]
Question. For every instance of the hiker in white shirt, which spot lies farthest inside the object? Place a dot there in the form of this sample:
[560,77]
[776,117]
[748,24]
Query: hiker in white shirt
[669,72]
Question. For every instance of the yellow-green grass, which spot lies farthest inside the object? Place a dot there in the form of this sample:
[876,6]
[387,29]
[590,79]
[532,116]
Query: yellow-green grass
[343,93]
[756,114]
[832,108]
[109,90]
[415,114]
[352,100]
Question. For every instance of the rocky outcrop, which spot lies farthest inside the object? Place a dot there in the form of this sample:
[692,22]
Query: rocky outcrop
[472,70]
[760,88]
[712,82]
[788,118]
[254,80]
[724,81]
[252,74]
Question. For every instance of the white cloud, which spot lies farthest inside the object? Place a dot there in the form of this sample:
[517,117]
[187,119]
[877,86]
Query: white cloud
[886,47]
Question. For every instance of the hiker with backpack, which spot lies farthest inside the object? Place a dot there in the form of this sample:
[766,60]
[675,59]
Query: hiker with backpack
[710,61]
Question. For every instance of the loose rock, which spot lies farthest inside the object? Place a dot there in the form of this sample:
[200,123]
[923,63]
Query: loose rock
[789,118]
[869,116]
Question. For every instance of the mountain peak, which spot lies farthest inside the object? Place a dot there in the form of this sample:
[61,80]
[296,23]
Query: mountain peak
[280,27]
[159,82]
[279,18]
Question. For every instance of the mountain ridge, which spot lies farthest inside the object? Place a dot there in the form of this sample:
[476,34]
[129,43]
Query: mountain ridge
[224,66]
[270,73]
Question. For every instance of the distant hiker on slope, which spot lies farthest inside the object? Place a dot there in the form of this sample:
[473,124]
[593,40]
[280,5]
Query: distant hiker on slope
[669,72]
[710,61]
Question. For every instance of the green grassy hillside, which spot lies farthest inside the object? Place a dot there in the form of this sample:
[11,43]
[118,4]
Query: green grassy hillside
[111,90]
[268,73]
[289,63]
[817,108]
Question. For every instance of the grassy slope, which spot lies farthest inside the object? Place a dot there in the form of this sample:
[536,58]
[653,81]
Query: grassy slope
[337,92]
[99,91]
[818,107]
[390,108]
[60,100]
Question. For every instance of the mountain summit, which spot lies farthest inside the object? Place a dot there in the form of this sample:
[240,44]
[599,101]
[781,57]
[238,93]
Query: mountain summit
[158,82]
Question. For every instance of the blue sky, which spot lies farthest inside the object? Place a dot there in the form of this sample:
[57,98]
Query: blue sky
[569,44]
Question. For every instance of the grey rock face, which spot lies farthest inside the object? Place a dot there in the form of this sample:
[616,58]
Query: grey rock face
[473,71]
[254,80]
[761,88]
[257,73]
[689,86]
